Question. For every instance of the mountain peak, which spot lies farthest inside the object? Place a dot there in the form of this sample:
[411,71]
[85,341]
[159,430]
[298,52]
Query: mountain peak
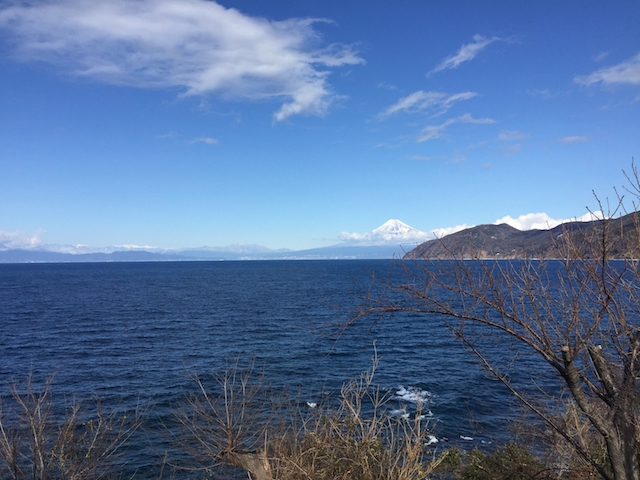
[392,232]
[394,227]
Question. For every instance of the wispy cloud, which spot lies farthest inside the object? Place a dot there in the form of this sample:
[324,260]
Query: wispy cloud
[171,134]
[387,86]
[542,93]
[511,150]
[601,56]
[627,72]
[574,139]
[194,44]
[432,132]
[425,102]
[207,140]
[467,52]
[511,136]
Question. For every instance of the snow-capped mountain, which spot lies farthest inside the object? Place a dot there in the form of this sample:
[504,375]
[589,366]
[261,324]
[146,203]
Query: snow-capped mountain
[392,232]
[395,230]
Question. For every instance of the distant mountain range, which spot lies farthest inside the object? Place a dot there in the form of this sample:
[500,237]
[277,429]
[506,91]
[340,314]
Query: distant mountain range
[392,239]
[505,241]
[336,252]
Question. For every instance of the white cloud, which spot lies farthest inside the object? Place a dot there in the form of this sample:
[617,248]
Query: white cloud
[387,86]
[135,247]
[626,72]
[19,239]
[431,132]
[574,139]
[542,221]
[467,52]
[194,44]
[511,136]
[421,101]
[207,140]
[601,56]
[443,232]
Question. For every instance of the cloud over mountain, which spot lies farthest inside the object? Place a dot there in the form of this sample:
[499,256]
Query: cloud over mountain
[19,239]
[542,221]
[395,232]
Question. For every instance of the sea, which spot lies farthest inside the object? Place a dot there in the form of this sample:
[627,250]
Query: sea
[133,335]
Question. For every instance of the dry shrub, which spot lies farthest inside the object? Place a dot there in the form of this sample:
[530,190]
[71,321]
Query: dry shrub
[355,440]
[349,443]
[37,443]
[226,425]
[511,462]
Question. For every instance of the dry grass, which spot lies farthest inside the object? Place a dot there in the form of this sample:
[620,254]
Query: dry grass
[347,443]
[355,440]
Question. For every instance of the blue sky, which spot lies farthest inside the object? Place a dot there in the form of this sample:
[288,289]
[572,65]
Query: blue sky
[183,123]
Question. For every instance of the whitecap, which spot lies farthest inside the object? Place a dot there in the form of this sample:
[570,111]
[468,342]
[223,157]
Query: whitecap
[431,440]
[466,438]
[412,394]
[400,412]
[312,404]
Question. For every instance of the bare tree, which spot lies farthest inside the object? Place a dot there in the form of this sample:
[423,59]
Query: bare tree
[228,426]
[578,313]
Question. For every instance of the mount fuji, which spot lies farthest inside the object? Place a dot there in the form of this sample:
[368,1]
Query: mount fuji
[392,232]
[391,239]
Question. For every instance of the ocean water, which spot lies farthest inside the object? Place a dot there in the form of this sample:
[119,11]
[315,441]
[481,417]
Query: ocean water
[133,333]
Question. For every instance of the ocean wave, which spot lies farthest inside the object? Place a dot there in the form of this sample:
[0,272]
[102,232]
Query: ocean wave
[412,395]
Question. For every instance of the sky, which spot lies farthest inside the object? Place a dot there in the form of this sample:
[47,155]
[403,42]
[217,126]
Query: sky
[289,124]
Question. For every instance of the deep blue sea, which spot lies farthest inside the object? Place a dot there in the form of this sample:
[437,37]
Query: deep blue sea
[132,333]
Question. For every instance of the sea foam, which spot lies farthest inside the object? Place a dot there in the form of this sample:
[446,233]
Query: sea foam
[412,395]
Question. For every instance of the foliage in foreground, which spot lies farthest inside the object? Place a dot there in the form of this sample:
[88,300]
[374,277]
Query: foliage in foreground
[233,424]
[82,445]
[354,440]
